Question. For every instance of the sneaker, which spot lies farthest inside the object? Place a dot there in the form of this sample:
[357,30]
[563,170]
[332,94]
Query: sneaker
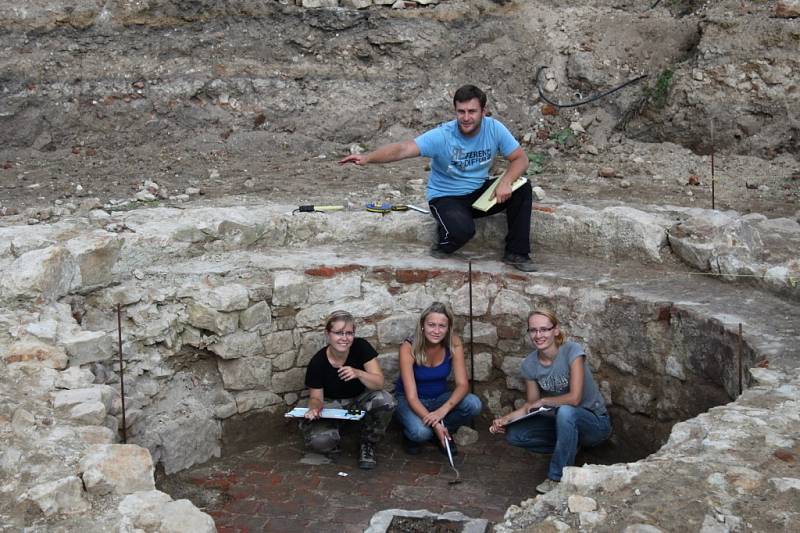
[546,486]
[366,456]
[520,262]
[438,253]
[411,447]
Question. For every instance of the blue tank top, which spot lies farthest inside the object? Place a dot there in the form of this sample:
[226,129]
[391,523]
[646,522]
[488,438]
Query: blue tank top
[431,380]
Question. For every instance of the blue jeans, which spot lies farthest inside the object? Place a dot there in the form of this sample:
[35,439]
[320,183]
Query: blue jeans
[560,435]
[413,427]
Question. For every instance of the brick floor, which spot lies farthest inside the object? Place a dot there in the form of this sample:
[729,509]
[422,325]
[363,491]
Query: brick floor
[268,488]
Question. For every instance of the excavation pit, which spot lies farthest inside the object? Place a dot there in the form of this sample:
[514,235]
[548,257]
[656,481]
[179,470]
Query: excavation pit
[221,309]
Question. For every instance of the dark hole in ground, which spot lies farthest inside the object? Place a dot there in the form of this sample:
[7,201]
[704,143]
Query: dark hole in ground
[412,524]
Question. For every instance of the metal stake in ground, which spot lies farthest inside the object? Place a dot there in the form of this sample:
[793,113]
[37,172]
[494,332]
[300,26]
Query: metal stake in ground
[471,347]
[121,374]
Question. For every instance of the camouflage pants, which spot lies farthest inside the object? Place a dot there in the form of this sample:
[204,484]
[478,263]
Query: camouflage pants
[323,436]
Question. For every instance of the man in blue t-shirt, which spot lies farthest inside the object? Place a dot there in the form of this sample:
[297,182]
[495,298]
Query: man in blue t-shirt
[461,153]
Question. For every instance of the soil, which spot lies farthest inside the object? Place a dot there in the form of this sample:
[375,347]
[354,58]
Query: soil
[259,105]
[406,524]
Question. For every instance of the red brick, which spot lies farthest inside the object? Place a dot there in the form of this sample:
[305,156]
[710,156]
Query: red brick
[329,272]
[544,209]
[415,276]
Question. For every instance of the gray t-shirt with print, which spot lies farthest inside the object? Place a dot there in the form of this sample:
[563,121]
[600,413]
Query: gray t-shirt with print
[553,380]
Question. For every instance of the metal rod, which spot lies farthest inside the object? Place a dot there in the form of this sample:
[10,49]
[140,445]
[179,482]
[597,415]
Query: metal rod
[713,182]
[121,374]
[471,347]
[740,359]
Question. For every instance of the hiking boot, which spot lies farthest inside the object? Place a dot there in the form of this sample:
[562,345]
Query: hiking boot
[411,447]
[546,486]
[366,456]
[520,262]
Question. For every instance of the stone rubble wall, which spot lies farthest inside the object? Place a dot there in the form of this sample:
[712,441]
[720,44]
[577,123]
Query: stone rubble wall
[222,309]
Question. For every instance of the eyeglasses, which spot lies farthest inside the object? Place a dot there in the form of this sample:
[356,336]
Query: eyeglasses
[343,333]
[542,331]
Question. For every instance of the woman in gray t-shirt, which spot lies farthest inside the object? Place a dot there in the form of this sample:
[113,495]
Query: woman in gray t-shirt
[558,381]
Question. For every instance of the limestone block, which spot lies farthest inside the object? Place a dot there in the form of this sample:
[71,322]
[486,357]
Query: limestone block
[766,376]
[181,516]
[283,361]
[181,437]
[394,329]
[357,4]
[606,478]
[117,468]
[483,333]
[23,421]
[592,519]
[481,293]
[96,254]
[224,405]
[390,365]
[96,434]
[251,400]
[46,273]
[62,496]
[46,329]
[787,9]
[636,399]
[289,381]
[511,303]
[289,289]
[246,373]
[785,484]
[203,317]
[310,343]
[511,368]
[232,297]
[256,316]
[238,344]
[335,289]
[143,508]
[707,234]
[483,366]
[278,342]
[124,295]
[418,298]
[580,504]
[87,346]
[319,3]
[465,436]
[89,413]
[314,316]
[66,399]
[36,352]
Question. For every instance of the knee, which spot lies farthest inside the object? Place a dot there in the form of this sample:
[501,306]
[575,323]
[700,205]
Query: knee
[471,405]
[566,414]
[382,401]
[418,433]
[513,437]
[461,234]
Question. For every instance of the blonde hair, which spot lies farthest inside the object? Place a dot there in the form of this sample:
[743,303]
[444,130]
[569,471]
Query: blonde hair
[418,343]
[340,316]
[551,316]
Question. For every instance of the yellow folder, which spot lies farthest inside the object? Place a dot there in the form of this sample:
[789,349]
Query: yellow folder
[487,201]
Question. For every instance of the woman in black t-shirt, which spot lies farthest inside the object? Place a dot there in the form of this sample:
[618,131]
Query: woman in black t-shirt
[345,374]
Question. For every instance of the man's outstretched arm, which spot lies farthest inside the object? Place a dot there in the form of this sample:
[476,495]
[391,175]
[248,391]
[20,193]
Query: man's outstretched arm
[385,154]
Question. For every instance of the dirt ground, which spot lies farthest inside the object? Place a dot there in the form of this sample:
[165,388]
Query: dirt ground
[231,109]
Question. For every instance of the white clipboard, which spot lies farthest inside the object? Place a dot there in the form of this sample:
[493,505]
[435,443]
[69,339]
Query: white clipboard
[486,201]
[535,412]
[338,414]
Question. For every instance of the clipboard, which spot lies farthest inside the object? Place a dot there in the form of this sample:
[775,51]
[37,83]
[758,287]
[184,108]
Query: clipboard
[338,414]
[487,200]
[538,411]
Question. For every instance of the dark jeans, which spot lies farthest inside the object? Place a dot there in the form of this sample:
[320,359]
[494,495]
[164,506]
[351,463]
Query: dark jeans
[560,435]
[455,219]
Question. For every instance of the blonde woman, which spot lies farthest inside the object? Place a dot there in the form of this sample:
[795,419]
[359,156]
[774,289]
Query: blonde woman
[345,374]
[558,377]
[426,407]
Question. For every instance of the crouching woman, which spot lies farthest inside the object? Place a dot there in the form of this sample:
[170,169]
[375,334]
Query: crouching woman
[345,374]
[558,377]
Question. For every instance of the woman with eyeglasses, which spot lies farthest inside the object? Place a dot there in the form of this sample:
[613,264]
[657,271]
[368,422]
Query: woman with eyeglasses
[557,378]
[345,374]
[426,407]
